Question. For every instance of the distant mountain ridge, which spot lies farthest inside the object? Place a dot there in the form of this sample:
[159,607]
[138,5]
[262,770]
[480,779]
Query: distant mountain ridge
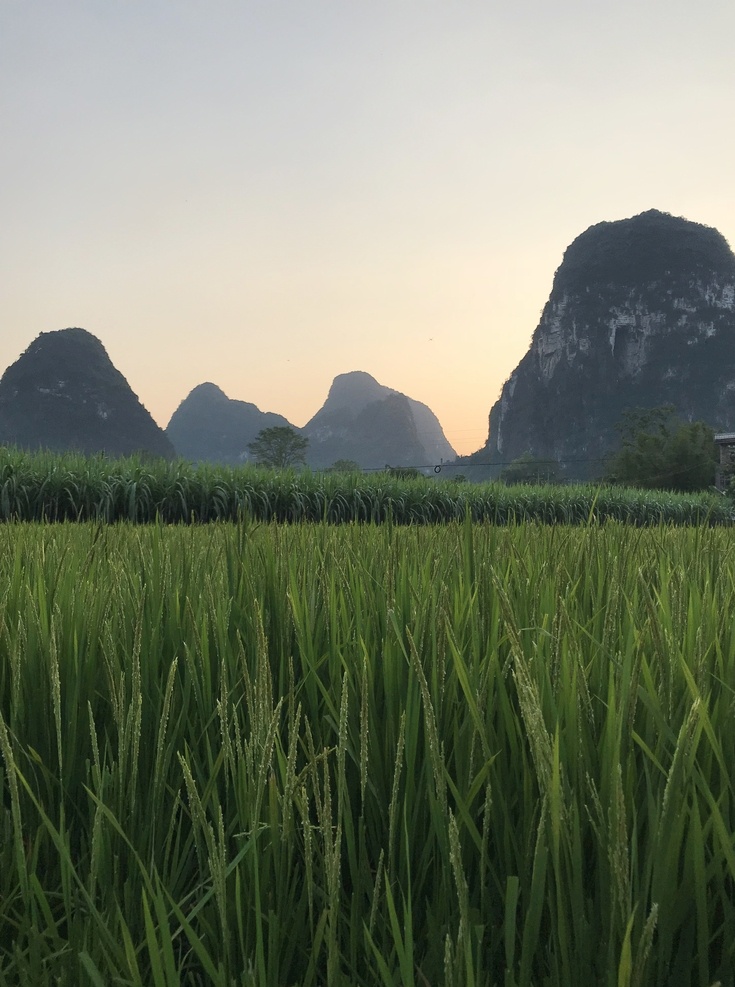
[641,313]
[208,426]
[64,393]
[375,426]
[361,421]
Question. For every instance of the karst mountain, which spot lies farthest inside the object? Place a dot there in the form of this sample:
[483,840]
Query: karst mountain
[64,393]
[641,314]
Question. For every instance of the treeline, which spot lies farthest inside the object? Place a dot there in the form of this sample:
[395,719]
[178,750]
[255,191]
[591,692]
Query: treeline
[657,451]
[50,488]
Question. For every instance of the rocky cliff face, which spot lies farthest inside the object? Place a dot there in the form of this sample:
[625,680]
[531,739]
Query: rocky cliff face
[210,427]
[64,393]
[374,426]
[641,313]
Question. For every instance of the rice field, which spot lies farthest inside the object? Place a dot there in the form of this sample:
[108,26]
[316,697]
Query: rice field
[261,754]
[52,487]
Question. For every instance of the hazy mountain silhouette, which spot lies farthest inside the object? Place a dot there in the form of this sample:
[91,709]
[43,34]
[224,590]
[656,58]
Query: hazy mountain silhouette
[374,425]
[210,427]
[361,420]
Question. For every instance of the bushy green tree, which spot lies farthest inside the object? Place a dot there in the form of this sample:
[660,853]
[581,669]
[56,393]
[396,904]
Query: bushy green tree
[529,469]
[402,472]
[279,447]
[658,450]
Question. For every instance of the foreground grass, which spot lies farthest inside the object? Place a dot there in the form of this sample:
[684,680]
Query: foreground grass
[366,755]
[49,487]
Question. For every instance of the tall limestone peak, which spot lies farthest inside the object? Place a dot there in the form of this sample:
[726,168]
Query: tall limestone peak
[65,393]
[353,391]
[641,313]
[651,248]
[374,425]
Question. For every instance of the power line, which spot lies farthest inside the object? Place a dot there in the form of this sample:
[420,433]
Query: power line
[538,463]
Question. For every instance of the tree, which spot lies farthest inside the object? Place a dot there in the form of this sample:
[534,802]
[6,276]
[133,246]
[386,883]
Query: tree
[528,469]
[344,466]
[402,472]
[279,447]
[658,450]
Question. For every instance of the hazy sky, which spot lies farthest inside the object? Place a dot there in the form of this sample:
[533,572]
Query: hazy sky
[268,194]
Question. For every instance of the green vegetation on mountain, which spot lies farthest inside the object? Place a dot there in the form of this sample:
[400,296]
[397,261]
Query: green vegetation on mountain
[651,248]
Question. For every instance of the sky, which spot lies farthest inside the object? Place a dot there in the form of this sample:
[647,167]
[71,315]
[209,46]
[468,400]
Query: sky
[267,194]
